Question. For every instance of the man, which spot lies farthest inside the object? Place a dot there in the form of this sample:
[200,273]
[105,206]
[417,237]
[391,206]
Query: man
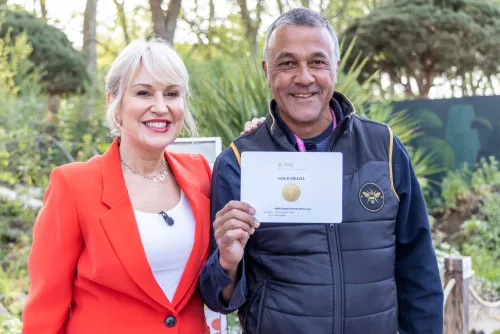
[376,272]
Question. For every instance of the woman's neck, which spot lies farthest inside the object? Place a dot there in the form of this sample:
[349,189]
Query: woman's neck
[144,161]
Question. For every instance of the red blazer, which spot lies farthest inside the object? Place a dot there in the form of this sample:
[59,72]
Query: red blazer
[88,270]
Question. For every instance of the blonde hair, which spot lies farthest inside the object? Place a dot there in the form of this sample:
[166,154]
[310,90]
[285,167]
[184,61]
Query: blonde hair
[164,65]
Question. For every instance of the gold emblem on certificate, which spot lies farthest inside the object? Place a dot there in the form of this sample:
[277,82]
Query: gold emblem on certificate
[291,192]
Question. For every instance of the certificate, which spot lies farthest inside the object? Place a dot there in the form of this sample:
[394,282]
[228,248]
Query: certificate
[293,187]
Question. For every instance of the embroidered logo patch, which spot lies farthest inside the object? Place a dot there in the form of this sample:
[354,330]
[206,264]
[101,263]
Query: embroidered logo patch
[371,197]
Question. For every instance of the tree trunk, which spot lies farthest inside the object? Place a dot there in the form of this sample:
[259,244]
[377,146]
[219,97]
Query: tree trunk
[251,26]
[211,17]
[43,9]
[89,49]
[120,8]
[158,16]
[280,6]
[173,11]
[456,311]
[89,35]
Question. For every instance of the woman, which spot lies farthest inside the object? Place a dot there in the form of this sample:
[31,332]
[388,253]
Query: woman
[121,239]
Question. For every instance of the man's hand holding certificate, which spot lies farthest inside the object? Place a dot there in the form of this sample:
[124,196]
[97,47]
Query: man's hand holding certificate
[293,187]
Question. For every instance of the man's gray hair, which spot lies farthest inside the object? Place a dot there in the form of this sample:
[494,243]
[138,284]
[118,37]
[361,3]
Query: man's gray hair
[303,17]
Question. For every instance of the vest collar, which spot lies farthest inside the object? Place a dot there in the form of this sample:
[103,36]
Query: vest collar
[339,103]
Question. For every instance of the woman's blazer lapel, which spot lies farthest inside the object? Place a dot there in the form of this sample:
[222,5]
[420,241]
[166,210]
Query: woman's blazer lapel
[121,228]
[189,181]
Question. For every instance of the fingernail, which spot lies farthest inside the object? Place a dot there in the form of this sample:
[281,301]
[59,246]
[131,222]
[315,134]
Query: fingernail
[252,211]
[252,231]
[257,223]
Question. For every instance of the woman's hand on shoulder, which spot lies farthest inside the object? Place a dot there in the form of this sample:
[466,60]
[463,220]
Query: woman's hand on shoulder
[253,124]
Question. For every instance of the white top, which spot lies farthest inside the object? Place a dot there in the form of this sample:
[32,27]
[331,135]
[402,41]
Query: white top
[168,247]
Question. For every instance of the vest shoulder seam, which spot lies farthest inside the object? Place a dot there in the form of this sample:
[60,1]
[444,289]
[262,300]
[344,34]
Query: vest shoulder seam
[236,153]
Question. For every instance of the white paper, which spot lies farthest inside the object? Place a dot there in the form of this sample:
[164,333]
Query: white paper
[267,178]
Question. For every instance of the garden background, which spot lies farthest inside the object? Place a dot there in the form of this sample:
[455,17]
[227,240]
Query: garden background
[428,68]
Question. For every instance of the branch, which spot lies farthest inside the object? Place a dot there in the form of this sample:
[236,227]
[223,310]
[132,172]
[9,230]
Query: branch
[280,6]
[57,144]
[245,16]
[211,17]
[395,77]
[259,9]
[120,8]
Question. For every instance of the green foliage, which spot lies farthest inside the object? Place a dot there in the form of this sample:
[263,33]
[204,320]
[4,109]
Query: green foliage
[21,118]
[483,181]
[428,119]
[440,149]
[214,37]
[27,151]
[455,187]
[64,68]
[15,218]
[83,135]
[10,326]
[482,123]
[16,221]
[483,239]
[487,176]
[480,234]
[227,95]
[422,39]
[401,123]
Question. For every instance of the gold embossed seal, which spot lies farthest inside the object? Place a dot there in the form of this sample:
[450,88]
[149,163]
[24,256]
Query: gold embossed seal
[291,192]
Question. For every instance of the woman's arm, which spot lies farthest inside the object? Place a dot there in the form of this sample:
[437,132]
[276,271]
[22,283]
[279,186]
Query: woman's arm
[57,244]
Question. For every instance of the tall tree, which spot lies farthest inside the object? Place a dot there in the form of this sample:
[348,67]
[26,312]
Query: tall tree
[415,42]
[90,49]
[251,25]
[64,67]
[165,22]
[120,8]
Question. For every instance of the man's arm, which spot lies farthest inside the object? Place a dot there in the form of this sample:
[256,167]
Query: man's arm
[420,294]
[223,292]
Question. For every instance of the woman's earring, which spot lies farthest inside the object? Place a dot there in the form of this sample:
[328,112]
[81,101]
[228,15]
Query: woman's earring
[116,122]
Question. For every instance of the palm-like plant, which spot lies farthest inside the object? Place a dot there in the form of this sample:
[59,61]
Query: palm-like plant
[227,95]
[230,93]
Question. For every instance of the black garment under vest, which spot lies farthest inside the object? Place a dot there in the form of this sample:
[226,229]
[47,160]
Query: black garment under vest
[328,278]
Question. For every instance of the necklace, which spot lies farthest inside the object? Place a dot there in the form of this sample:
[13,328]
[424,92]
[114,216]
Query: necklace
[157,178]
